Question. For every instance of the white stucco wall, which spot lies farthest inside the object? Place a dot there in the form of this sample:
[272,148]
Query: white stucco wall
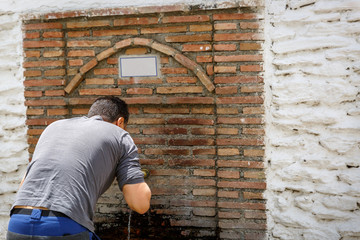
[312,76]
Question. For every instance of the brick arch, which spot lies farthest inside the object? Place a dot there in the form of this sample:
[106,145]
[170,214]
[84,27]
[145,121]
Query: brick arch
[182,59]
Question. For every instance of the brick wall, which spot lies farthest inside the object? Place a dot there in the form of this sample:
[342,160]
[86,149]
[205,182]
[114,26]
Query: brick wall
[203,146]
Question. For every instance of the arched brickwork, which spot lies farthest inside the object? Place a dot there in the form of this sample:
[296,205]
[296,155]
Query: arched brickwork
[182,59]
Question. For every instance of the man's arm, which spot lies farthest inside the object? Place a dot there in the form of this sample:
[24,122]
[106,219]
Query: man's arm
[137,196]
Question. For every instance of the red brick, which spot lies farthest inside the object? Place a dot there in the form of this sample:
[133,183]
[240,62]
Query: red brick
[55,63]
[204,192]
[237,120]
[242,205]
[34,132]
[181,79]
[250,46]
[172,29]
[225,26]
[165,130]
[237,36]
[149,140]
[81,101]
[189,38]
[33,93]
[181,19]
[43,44]
[202,110]
[225,69]
[186,62]
[228,194]
[151,161]
[81,111]
[136,51]
[169,172]
[57,112]
[34,111]
[49,54]
[229,215]
[39,122]
[139,81]
[240,164]
[240,141]
[144,91]
[160,110]
[228,152]
[174,70]
[204,172]
[227,131]
[238,58]
[202,59]
[78,34]
[76,62]
[119,32]
[257,175]
[52,93]
[34,26]
[196,47]
[53,34]
[205,151]
[239,100]
[241,225]
[190,100]
[234,16]
[251,195]
[32,35]
[226,90]
[203,131]
[30,54]
[168,191]
[251,89]
[106,71]
[143,100]
[88,24]
[146,121]
[55,72]
[225,47]
[201,28]
[193,223]
[251,68]
[192,203]
[89,43]
[227,110]
[190,121]
[192,142]
[249,25]
[228,174]
[185,212]
[135,21]
[210,69]
[89,65]
[174,90]
[44,82]
[173,152]
[32,73]
[45,102]
[238,79]
[253,152]
[100,91]
[191,162]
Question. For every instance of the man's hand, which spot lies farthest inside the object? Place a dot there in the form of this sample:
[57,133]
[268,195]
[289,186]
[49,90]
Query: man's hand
[137,196]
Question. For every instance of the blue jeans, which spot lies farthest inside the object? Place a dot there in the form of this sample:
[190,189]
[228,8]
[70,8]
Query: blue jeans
[38,227]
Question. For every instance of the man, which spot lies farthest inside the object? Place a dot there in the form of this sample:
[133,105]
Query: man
[74,163]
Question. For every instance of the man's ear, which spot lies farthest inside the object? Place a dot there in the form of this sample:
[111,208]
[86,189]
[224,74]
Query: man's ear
[121,122]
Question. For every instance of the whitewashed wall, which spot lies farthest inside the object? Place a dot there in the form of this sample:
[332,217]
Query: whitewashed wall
[313,119]
[312,75]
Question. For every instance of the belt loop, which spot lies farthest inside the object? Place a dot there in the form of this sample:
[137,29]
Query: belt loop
[36,214]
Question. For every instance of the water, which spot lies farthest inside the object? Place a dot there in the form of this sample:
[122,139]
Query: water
[129,225]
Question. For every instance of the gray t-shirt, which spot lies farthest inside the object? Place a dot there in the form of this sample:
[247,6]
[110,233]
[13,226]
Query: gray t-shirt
[75,161]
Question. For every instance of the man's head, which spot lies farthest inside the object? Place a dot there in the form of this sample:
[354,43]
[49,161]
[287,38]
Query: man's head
[111,109]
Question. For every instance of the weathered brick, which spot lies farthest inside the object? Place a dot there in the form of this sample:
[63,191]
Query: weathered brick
[146,121]
[191,162]
[228,194]
[251,89]
[210,69]
[35,111]
[100,91]
[119,32]
[45,102]
[202,110]
[181,19]
[78,34]
[227,131]
[246,225]
[181,79]
[123,43]
[170,70]
[88,24]
[253,110]
[191,142]
[190,121]
[201,28]
[189,38]
[204,172]
[242,205]
[89,43]
[32,73]
[174,90]
[149,140]
[196,47]
[76,62]
[238,79]
[53,34]
[207,58]
[43,44]
[218,37]
[209,212]
[190,100]
[257,175]
[192,203]
[228,174]
[80,111]
[169,172]
[135,21]
[39,121]
[57,53]
[240,141]
[229,215]
[253,152]
[241,164]
[106,71]
[173,152]
[226,90]
[235,100]
[250,46]
[136,51]
[160,110]
[139,81]
[204,151]
[237,120]
[30,54]
[225,47]
[251,68]
[238,58]
[168,191]
[228,152]
[81,101]
[225,69]
[35,132]
[34,26]
[91,64]
[143,91]
[165,130]
[225,26]
[44,82]
[32,35]
[255,214]
[234,16]
[249,25]
[193,223]
[55,63]
[53,93]
[151,161]
[253,131]
[228,110]
[171,29]
[204,192]
[57,112]
[33,93]
[55,72]
[143,100]
[203,131]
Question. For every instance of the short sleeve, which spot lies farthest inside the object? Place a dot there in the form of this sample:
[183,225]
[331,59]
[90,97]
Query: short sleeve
[128,170]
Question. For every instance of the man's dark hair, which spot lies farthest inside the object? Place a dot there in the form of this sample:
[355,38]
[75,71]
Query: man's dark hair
[110,108]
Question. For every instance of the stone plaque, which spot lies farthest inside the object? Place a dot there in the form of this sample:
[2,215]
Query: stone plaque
[139,66]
